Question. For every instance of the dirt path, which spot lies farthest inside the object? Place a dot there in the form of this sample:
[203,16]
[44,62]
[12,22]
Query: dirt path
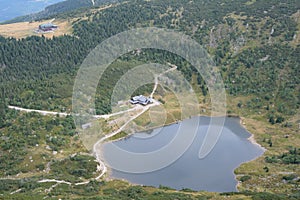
[117,113]
[101,166]
[174,67]
[144,109]
[54,181]
[43,112]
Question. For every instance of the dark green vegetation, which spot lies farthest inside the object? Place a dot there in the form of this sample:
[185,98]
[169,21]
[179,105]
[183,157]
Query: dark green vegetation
[74,166]
[34,65]
[40,73]
[254,44]
[115,190]
[22,135]
[291,157]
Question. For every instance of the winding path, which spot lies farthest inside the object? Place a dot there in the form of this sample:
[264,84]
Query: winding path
[144,109]
[45,112]
[101,167]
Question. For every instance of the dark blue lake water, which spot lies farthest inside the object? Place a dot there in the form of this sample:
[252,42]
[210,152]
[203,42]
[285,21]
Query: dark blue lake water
[212,173]
[10,9]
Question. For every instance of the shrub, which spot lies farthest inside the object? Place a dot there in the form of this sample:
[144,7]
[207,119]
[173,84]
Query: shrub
[245,178]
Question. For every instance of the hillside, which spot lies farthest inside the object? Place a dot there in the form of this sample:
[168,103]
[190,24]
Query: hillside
[67,6]
[254,43]
[28,28]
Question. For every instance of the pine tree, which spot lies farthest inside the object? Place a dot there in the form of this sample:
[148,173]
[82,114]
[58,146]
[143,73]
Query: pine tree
[3,110]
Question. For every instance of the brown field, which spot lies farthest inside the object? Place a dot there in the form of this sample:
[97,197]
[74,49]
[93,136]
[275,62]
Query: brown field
[24,29]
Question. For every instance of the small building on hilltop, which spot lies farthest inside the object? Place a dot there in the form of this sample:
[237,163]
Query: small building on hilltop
[48,27]
[141,99]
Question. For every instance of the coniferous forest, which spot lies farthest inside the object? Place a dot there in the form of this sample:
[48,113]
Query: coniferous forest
[255,45]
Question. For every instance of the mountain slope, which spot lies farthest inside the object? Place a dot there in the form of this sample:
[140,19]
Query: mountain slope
[61,7]
[255,44]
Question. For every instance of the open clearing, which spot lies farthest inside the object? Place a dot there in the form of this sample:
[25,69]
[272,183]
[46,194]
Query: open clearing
[24,29]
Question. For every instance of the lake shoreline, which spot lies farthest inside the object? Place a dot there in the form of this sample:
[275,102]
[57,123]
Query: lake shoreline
[251,139]
[254,142]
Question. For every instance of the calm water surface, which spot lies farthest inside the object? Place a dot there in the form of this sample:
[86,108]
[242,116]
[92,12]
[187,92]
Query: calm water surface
[213,173]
